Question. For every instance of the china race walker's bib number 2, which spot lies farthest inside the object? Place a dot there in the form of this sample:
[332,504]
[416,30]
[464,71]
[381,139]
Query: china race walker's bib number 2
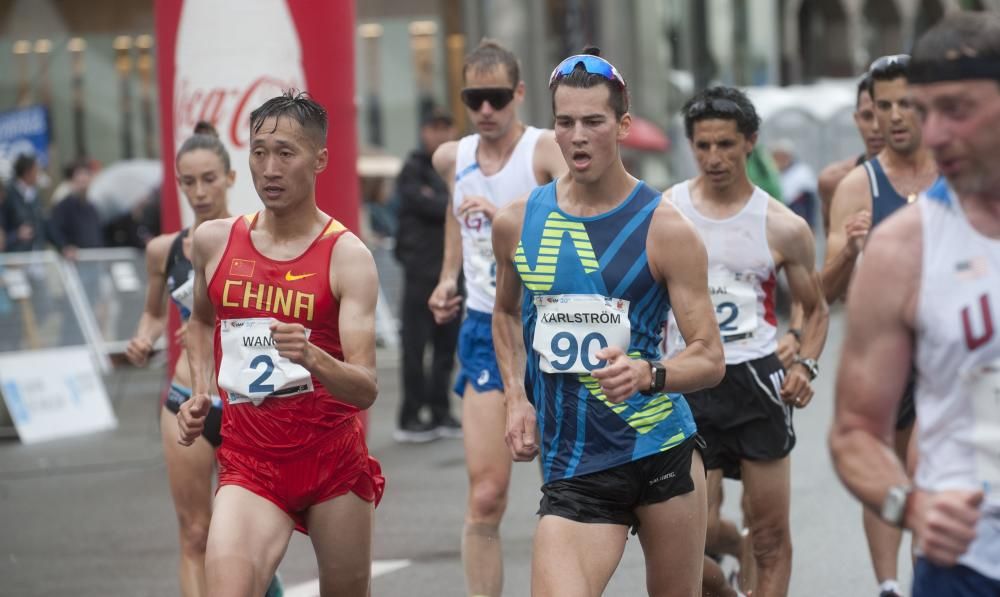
[251,369]
[571,328]
[983,386]
[735,303]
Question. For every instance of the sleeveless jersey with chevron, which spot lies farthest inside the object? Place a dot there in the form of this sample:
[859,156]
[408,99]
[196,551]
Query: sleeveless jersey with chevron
[588,285]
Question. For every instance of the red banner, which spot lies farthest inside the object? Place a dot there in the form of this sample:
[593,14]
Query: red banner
[217,60]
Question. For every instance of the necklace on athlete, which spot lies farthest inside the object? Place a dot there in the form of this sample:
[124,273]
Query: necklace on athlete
[508,151]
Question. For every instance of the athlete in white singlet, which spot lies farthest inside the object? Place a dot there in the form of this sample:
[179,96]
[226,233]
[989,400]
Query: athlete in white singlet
[746,420]
[928,291]
[485,172]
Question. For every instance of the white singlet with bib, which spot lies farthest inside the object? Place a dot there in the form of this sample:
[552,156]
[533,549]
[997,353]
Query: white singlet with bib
[741,277]
[958,367]
[515,179]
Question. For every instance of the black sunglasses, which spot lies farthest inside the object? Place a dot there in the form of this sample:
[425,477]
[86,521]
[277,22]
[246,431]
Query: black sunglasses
[714,106]
[883,64]
[498,97]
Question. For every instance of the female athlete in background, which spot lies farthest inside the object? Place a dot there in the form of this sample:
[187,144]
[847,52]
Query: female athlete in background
[204,175]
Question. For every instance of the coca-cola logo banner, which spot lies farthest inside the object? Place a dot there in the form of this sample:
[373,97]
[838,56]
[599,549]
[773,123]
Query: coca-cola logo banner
[227,109]
[217,60]
[221,74]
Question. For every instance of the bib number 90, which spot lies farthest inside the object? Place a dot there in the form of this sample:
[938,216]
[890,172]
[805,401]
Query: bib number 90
[568,351]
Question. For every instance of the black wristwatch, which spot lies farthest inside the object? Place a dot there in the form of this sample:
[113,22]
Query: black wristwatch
[810,364]
[657,377]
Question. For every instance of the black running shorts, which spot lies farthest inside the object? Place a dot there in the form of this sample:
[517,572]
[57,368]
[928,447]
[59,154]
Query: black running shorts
[612,495]
[744,418]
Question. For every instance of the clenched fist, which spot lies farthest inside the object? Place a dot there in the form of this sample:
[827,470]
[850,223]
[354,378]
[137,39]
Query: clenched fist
[291,342]
[191,418]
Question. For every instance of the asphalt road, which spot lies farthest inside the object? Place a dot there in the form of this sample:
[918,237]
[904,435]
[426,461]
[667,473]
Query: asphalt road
[92,516]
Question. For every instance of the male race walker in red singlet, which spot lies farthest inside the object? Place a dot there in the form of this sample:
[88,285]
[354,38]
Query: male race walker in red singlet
[291,297]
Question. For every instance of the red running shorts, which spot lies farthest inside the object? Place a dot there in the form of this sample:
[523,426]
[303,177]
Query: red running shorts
[316,475]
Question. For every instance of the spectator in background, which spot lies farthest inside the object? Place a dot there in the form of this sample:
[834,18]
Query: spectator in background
[22,208]
[381,208]
[423,202]
[763,172]
[137,226]
[74,222]
[798,182]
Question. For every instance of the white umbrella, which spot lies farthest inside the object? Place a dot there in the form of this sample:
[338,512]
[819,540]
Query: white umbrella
[120,186]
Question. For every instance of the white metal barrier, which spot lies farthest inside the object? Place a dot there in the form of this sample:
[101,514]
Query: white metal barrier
[60,321]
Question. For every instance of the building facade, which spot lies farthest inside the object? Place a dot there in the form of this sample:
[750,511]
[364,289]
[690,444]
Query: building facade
[91,62]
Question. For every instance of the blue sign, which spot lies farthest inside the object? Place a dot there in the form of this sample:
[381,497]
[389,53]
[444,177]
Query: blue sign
[25,130]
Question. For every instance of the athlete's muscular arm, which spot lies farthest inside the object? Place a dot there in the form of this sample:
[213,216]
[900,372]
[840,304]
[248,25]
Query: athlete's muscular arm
[850,219]
[445,301]
[208,242]
[789,236]
[874,367]
[507,339]
[154,315]
[827,183]
[354,281]
[678,260]
[547,161]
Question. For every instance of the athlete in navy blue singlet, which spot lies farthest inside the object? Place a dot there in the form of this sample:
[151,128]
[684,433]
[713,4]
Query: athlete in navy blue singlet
[865,199]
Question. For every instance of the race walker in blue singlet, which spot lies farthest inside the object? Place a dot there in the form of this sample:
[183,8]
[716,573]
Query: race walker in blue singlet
[588,286]
[587,269]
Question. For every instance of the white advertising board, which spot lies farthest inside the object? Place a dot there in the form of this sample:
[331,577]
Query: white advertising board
[54,393]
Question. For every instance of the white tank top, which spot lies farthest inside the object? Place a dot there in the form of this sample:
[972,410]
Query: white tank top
[515,179]
[958,366]
[741,277]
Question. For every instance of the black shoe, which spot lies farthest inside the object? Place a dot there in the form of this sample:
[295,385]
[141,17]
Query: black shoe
[415,432]
[448,428]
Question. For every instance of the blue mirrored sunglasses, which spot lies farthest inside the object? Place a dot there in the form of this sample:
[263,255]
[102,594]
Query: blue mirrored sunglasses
[594,65]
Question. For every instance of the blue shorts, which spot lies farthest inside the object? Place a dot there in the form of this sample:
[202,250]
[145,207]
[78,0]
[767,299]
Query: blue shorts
[931,580]
[477,360]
